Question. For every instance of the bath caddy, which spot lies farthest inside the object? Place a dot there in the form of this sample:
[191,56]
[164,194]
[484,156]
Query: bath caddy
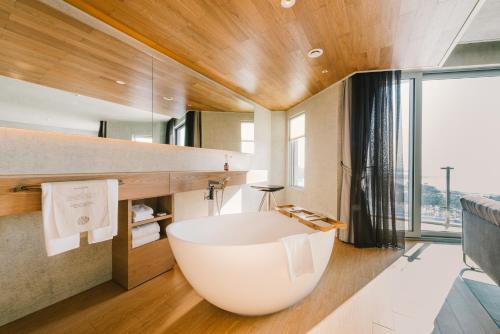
[311,219]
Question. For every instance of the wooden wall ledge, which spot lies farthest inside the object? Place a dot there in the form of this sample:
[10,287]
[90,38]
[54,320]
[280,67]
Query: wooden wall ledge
[133,186]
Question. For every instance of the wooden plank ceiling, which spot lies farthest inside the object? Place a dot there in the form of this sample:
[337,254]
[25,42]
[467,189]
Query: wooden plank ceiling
[259,49]
[44,46]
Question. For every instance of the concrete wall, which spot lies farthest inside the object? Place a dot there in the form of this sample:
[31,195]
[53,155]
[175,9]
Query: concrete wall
[485,53]
[321,165]
[30,280]
[222,130]
[126,130]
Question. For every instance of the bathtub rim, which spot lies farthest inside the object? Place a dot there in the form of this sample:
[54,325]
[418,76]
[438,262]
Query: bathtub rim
[209,244]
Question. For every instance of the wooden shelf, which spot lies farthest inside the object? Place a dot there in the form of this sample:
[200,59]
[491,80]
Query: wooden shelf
[152,220]
[134,266]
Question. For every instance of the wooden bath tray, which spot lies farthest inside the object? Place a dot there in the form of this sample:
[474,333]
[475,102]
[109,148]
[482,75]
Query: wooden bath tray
[311,219]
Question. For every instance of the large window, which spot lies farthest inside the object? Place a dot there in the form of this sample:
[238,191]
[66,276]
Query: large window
[247,137]
[460,137]
[450,123]
[180,135]
[297,149]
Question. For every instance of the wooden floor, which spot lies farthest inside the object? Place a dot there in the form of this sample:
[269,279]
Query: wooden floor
[362,291]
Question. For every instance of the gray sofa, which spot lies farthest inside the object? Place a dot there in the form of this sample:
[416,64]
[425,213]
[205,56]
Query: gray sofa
[481,233]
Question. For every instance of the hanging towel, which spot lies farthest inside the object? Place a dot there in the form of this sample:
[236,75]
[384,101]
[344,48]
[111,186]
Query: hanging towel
[299,255]
[145,240]
[108,232]
[144,230]
[141,210]
[73,207]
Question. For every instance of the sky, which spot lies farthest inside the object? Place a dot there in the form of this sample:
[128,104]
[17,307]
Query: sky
[461,128]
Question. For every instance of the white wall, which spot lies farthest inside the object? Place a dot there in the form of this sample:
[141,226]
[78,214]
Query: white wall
[321,159]
[222,129]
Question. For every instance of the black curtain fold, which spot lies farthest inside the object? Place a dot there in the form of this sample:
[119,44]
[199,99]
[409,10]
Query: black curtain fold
[169,131]
[193,128]
[377,184]
[103,129]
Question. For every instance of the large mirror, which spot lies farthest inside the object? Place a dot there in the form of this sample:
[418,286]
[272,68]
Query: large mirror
[59,74]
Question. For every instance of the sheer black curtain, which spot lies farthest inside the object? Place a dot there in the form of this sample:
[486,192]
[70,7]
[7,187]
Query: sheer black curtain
[103,129]
[193,128]
[376,199]
[169,132]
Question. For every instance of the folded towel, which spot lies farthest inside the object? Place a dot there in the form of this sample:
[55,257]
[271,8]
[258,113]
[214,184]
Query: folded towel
[141,218]
[299,255]
[141,210]
[73,207]
[144,230]
[145,240]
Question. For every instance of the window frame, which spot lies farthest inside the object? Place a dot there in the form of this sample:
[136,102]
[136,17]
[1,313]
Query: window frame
[291,171]
[176,128]
[247,141]
[415,158]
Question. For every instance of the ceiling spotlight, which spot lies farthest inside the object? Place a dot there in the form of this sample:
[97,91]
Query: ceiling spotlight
[287,3]
[168,98]
[120,82]
[324,71]
[315,53]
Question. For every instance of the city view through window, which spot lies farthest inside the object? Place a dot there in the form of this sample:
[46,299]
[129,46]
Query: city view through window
[460,147]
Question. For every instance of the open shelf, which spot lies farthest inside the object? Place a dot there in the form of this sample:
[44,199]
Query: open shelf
[163,239]
[152,220]
[134,266]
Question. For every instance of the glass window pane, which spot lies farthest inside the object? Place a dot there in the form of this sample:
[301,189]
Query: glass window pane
[460,121]
[297,126]
[247,147]
[406,112]
[180,136]
[297,155]
[247,131]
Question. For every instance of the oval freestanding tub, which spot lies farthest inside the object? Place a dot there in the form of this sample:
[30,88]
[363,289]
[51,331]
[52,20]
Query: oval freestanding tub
[238,263]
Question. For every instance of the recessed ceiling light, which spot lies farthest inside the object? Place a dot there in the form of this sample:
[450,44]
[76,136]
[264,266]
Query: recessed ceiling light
[287,3]
[324,71]
[168,98]
[189,105]
[315,53]
[120,82]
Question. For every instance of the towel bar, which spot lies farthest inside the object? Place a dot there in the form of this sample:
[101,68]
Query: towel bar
[23,187]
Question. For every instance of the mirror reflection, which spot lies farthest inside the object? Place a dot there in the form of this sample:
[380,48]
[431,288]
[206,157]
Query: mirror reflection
[232,131]
[83,81]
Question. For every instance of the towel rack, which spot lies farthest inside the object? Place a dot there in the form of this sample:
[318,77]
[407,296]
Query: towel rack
[23,187]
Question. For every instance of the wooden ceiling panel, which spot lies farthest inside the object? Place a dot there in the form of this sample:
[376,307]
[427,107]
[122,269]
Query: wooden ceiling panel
[259,49]
[44,46]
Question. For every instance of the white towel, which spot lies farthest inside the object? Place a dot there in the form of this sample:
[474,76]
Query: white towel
[139,210]
[299,254]
[73,207]
[141,218]
[144,230]
[108,232]
[145,240]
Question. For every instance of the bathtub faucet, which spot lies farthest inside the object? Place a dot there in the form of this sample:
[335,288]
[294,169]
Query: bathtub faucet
[214,185]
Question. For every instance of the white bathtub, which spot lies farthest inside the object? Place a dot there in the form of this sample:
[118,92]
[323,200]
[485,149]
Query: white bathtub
[237,262]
